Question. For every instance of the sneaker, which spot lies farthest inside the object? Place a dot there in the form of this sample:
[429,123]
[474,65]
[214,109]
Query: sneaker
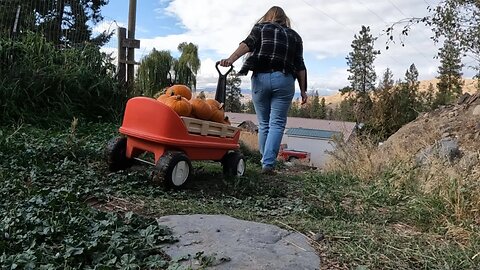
[268,171]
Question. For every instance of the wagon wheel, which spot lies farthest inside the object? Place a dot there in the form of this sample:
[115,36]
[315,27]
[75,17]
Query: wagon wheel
[115,154]
[173,170]
[234,164]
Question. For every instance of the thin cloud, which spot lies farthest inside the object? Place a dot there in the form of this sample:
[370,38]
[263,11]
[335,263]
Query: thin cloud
[327,29]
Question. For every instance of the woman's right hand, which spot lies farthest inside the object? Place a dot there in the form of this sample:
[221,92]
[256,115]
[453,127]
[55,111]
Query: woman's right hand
[304,96]
[226,62]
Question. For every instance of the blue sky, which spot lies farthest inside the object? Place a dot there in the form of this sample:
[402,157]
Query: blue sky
[327,28]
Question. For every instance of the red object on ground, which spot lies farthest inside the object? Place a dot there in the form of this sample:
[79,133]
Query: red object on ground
[154,127]
[290,154]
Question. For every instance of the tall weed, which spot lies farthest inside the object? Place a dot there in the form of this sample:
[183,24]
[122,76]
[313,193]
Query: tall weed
[451,186]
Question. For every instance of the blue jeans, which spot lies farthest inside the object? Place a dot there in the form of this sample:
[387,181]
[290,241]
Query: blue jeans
[272,97]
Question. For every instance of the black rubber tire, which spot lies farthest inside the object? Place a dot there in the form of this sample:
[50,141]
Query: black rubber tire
[231,162]
[115,154]
[168,174]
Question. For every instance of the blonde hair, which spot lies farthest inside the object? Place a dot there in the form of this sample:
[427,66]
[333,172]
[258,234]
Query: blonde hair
[277,15]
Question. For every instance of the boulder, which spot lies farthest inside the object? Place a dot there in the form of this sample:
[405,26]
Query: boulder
[231,243]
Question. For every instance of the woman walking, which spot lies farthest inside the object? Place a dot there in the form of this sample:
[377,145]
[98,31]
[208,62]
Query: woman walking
[276,60]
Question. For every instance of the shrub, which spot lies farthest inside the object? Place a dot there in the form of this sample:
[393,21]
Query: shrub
[39,82]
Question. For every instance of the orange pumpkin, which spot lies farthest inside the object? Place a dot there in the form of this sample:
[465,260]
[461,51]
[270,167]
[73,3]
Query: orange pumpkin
[162,97]
[180,89]
[214,103]
[218,114]
[200,108]
[179,104]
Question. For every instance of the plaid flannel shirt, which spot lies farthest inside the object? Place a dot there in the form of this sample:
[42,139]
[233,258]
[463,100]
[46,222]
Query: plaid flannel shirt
[273,47]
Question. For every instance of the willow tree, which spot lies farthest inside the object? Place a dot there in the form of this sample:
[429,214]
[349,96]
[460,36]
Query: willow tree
[154,73]
[187,65]
[159,69]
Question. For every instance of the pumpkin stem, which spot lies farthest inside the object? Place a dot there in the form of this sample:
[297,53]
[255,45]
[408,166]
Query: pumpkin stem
[178,97]
[201,95]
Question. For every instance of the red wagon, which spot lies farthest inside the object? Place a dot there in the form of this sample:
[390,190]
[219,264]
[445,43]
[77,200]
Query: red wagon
[150,126]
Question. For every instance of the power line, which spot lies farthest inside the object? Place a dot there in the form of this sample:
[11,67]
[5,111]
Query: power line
[397,8]
[378,16]
[330,17]
[373,12]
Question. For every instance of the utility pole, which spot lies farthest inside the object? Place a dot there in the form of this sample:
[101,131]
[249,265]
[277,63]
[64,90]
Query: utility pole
[126,50]
[132,20]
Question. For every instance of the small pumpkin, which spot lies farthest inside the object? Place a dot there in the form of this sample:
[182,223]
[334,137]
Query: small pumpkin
[179,104]
[179,89]
[214,103]
[218,114]
[162,97]
[200,108]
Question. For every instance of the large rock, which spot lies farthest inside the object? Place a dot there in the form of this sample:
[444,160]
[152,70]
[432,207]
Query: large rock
[238,244]
[476,110]
[446,149]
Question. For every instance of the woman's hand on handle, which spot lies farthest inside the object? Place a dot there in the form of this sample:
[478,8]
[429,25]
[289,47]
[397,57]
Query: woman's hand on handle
[226,62]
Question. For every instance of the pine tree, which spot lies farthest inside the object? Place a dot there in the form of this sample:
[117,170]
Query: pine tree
[411,77]
[233,93]
[250,107]
[382,108]
[314,107]
[450,74]
[345,110]
[360,62]
[411,87]
[387,80]
[323,109]
[395,104]
[427,98]
[294,110]
[363,76]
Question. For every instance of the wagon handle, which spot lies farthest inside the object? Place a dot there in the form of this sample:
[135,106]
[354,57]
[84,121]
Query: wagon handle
[219,72]
[222,84]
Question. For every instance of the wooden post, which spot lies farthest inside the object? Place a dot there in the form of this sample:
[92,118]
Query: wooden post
[15,24]
[132,17]
[122,56]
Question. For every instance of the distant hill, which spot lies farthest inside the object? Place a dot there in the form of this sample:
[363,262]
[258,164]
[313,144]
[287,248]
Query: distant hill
[333,100]
[469,87]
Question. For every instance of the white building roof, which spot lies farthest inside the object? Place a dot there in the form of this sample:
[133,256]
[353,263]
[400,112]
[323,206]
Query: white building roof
[346,128]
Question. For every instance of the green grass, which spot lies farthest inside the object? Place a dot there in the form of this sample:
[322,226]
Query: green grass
[364,226]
